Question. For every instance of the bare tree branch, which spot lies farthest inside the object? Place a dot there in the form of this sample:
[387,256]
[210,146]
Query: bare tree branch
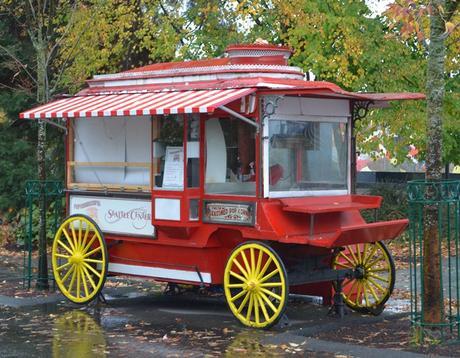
[19,62]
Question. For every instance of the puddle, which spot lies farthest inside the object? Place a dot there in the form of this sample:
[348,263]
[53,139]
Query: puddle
[77,334]
[397,305]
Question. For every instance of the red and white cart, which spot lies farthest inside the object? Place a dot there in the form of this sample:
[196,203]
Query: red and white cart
[232,172]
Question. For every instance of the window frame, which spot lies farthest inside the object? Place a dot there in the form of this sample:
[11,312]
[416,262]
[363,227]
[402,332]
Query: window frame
[266,156]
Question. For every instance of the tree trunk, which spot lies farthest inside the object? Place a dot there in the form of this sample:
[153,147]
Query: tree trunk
[42,97]
[433,305]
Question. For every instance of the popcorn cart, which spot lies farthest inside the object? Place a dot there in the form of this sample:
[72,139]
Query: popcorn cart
[234,172]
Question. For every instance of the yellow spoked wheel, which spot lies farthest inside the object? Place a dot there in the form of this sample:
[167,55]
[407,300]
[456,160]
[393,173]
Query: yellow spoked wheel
[79,259]
[255,285]
[374,277]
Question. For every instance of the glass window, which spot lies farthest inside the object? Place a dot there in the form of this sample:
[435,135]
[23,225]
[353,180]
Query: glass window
[230,157]
[168,152]
[111,152]
[307,156]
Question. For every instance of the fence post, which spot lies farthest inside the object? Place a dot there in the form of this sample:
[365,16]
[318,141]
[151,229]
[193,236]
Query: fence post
[443,199]
[53,192]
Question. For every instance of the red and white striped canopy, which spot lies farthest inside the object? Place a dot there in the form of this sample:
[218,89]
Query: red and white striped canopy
[137,104]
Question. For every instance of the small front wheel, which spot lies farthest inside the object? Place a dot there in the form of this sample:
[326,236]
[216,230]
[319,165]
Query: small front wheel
[79,259]
[255,285]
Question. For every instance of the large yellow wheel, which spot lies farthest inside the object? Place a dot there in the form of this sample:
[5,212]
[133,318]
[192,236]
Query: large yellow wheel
[374,277]
[255,285]
[79,259]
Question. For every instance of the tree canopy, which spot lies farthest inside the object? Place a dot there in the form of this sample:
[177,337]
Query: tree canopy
[340,41]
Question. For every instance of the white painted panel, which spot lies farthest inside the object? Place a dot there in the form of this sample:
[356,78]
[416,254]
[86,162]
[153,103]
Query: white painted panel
[116,215]
[216,152]
[159,272]
[167,209]
[298,106]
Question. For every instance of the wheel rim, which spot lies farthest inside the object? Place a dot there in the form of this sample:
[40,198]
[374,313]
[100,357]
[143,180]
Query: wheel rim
[374,280]
[79,259]
[255,285]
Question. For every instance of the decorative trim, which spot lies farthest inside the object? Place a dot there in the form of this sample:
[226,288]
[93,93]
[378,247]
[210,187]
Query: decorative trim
[158,272]
[360,109]
[203,69]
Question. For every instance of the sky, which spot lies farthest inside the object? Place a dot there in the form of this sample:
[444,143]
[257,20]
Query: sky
[378,6]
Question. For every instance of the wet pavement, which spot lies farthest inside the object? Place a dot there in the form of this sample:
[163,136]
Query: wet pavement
[139,320]
[145,323]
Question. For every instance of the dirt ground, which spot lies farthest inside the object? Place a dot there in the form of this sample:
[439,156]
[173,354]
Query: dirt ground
[393,333]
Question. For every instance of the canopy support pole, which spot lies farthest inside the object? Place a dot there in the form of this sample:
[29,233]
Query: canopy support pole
[239,116]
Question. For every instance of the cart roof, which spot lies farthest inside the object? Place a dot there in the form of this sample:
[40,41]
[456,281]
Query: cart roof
[200,86]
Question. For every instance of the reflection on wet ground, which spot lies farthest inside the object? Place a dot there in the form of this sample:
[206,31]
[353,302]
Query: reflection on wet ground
[151,325]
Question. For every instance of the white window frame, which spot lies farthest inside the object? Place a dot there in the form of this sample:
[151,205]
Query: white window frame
[266,159]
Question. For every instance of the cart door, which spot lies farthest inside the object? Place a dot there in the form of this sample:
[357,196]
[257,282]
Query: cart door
[176,170]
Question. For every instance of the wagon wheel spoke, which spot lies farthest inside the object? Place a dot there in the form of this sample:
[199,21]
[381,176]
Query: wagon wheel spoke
[375,261]
[236,285]
[343,265]
[74,236]
[256,309]
[267,301]
[86,248]
[358,253]
[371,254]
[379,278]
[259,263]
[243,271]
[83,279]
[65,247]
[271,284]
[263,308]
[92,252]
[239,277]
[92,269]
[264,269]
[251,304]
[90,279]
[270,293]
[269,276]
[239,295]
[353,255]
[244,302]
[63,266]
[72,280]
[66,276]
[246,263]
[347,258]
[358,299]
[69,240]
[379,287]
[80,237]
[373,293]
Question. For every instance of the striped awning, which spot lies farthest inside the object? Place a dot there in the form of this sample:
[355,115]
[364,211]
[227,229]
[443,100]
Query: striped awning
[137,104]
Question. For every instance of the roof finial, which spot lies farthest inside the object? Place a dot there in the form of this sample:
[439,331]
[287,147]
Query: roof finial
[261,41]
